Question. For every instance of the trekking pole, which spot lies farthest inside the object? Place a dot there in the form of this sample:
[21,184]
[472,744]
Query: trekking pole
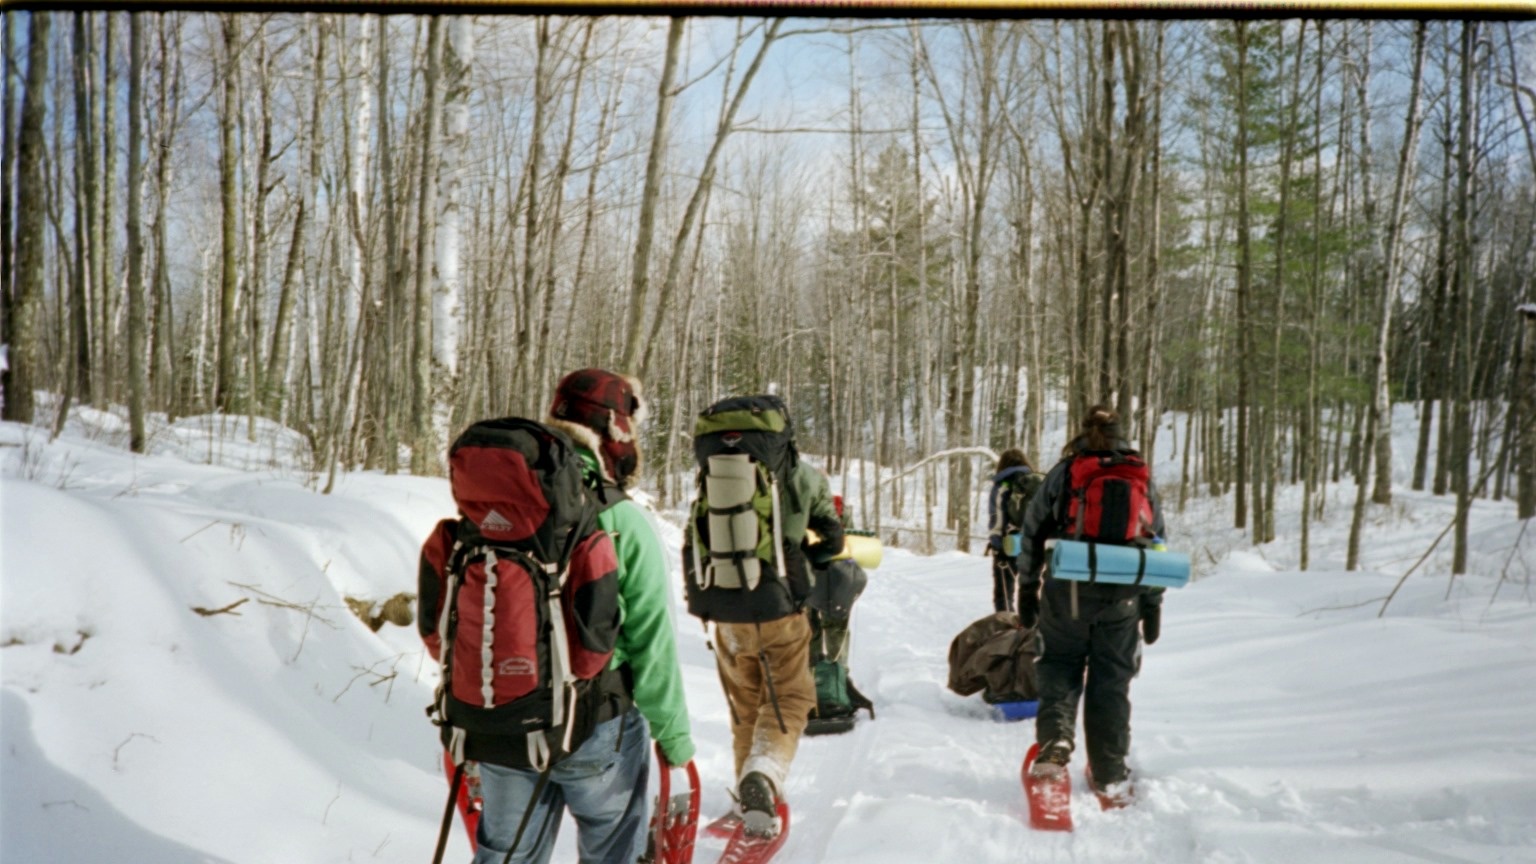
[453,794]
[533,803]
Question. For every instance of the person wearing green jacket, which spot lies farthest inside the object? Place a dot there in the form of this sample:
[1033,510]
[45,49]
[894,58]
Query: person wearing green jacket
[603,783]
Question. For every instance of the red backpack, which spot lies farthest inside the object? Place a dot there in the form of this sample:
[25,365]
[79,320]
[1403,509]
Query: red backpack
[519,598]
[1107,500]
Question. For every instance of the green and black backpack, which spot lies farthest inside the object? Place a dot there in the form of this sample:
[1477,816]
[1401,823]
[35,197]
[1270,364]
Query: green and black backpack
[1017,490]
[736,566]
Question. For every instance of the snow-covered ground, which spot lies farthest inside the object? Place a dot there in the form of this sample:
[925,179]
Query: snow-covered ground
[1278,720]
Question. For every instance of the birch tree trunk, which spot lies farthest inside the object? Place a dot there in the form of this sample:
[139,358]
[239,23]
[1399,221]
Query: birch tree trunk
[424,444]
[457,57]
[1381,404]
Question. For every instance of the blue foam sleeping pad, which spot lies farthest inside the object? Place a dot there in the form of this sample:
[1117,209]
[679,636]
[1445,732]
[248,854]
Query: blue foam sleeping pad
[1119,565]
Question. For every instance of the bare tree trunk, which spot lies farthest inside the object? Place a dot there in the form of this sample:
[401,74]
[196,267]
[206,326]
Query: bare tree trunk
[1312,473]
[1270,461]
[106,381]
[533,181]
[8,80]
[280,353]
[543,383]
[1381,405]
[640,272]
[457,57]
[394,301]
[1461,443]
[86,272]
[1526,471]
[162,370]
[424,446]
[1244,281]
[136,316]
[256,255]
[579,280]
[1150,406]
[695,201]
[1380,422]
[224,385]
[23,308]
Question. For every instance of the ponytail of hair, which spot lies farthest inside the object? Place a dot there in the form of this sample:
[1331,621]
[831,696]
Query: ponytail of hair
[1101,428]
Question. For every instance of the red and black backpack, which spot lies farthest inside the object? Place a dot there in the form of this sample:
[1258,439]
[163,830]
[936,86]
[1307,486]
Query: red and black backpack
[1107,498]
[520,599]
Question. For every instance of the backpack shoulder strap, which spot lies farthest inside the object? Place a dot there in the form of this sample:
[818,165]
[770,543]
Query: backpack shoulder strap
[608,493]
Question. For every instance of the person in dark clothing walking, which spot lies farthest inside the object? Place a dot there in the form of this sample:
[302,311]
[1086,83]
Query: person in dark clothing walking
[1013,486]
[1091,642]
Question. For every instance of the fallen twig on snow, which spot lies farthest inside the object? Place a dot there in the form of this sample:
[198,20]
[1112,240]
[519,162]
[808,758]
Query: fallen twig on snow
[223,610]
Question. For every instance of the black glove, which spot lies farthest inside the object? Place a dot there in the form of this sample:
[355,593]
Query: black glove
[821,554]
[1151,622]
[1029,604]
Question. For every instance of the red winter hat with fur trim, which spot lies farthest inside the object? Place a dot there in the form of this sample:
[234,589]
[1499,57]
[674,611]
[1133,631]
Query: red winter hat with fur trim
[601,410]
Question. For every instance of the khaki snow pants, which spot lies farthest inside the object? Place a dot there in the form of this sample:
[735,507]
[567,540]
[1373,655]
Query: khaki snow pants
[743,650]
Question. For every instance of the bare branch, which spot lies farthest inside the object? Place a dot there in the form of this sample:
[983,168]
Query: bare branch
[222,610]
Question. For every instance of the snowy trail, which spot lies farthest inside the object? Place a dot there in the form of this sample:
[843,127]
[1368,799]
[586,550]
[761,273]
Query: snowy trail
[1278,719]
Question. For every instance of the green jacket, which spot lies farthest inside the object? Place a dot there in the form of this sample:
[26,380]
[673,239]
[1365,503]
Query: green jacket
[813,499]
[645,628]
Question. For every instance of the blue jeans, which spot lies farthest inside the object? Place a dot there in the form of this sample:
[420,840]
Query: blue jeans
[603,784]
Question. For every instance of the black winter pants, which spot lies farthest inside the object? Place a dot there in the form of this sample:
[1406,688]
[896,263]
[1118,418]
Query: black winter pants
[1091,658]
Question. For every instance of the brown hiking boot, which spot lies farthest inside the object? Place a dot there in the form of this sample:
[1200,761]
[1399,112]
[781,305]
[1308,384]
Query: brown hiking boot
[1052,759]
[759,806]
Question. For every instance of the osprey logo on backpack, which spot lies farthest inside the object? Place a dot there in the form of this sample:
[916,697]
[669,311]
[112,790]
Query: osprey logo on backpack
[519,599]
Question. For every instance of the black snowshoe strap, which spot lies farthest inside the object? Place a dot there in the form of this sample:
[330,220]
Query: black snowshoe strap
[773,693]
[859,700]
[533,802]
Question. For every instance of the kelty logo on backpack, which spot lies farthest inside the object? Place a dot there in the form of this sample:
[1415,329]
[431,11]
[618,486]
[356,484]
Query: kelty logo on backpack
[517,666]
[494,521]
[730,439]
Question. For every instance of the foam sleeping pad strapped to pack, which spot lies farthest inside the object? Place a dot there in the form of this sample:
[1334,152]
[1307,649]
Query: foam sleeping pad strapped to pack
[867,552]
[864,550]
[1118,565]
[733,524]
